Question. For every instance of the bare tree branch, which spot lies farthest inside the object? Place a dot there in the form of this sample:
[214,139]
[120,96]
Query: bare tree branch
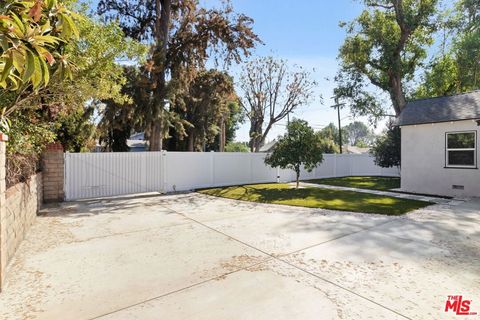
[270,92]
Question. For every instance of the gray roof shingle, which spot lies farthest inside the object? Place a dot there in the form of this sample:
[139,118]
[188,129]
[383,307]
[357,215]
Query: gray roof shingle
[463,106]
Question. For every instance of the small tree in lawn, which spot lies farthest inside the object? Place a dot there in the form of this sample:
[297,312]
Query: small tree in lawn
[300,146]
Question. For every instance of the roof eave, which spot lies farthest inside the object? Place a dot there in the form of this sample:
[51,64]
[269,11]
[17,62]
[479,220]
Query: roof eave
[432,122]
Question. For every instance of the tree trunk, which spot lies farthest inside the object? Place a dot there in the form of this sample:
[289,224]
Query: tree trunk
[162,26]
[261,141]
[252,133]
[191,140]
[258,144]
[155,141]
[223,136]
[298,177]
[255,135]
[396,93]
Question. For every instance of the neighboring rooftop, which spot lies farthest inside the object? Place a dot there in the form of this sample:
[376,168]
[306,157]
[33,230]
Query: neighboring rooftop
[463,106]
[137,142]
[138,136]
[268,147]
[355,150]
[137,145]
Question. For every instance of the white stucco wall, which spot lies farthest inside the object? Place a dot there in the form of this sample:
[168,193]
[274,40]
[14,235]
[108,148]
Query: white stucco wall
[423,161]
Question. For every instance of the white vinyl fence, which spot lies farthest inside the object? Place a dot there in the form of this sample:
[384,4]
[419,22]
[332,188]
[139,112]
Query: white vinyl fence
[91,175]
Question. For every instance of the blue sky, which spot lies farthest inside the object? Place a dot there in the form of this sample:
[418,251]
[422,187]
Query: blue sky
[306,28]
[306,33]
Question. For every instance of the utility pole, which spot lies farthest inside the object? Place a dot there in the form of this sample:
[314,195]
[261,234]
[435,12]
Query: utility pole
[338,106]
[339,130]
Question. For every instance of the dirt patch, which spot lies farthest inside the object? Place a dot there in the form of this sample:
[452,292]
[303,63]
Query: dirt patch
[243,261]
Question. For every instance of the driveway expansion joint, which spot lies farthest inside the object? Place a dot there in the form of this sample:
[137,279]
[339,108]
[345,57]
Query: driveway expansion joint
[277,258]
[181,289]
[170,265]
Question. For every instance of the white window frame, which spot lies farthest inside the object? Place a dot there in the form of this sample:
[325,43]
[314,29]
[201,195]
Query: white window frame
[474,149]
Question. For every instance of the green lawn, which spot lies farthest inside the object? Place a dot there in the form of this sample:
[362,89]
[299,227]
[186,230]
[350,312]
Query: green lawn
[318,198]
[374,183]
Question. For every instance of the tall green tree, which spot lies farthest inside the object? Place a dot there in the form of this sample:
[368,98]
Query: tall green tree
[358,134]
[119,119]
[456,67]
[208,109]
[329,138]
[439,79]
[182,36]
[228,131]
[99,77]
[387,148]
[384,47]
[298,148]
[75,129]
[236,117]
[329,132]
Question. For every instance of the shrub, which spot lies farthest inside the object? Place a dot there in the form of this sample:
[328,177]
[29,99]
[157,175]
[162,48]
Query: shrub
[386,150]
[237,147]
[28,137]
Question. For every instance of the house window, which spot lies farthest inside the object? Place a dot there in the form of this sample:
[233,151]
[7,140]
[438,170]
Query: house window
[461,149]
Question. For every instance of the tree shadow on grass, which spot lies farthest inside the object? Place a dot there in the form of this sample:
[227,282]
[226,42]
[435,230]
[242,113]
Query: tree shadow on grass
[320,198]
[361,182]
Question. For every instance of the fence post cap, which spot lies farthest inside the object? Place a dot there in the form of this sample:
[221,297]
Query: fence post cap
[3,136]
[54,146]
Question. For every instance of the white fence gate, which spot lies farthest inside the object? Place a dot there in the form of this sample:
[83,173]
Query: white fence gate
[91,175]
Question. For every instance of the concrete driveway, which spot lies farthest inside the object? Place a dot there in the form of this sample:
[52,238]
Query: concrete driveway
[191,256]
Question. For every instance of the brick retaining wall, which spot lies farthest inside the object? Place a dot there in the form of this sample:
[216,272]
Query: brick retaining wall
[3,210]
[19,204]
[22,202]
